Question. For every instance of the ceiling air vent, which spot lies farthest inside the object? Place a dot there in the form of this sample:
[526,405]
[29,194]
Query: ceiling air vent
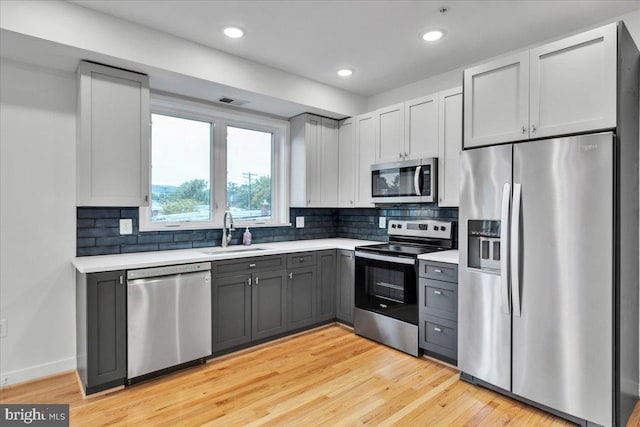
[231,101]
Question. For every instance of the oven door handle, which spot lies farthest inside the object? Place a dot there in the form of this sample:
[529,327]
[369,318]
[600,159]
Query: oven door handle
[392,259]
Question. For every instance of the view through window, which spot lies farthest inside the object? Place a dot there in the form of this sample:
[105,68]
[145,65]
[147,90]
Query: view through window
[249,172]
[180,170]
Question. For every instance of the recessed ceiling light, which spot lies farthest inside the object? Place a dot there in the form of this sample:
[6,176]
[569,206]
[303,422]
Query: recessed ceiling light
[233,32]
[345,72]
[432,36]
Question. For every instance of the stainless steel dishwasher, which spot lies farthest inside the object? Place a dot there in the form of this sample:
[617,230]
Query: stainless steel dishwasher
[168,317]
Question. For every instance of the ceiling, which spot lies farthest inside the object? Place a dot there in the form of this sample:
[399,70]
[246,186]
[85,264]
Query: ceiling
[379,40]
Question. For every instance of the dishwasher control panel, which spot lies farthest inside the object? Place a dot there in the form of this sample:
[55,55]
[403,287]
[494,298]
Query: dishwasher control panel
[168,270]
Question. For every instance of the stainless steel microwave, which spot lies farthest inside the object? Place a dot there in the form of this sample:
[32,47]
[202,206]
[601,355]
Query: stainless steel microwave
[412,181]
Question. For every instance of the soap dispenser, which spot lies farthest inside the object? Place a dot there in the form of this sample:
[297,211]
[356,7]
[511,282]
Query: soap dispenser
[246,237]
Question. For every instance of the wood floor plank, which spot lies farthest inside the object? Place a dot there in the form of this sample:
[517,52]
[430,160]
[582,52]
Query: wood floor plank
[325,377]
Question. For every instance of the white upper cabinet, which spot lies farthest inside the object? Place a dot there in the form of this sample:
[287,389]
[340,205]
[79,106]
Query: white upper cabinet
[450,146]
[365,157]
[347,175]
[329,152]
[496,101]
[563,87]
[113,137]
[421,128]
[314,156]
[389,134]
[573,84]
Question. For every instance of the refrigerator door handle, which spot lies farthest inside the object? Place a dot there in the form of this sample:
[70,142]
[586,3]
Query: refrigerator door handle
[504,250]
[416,181]
[515,249]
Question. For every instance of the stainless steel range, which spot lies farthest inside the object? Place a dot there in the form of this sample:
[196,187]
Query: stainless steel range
[386,285]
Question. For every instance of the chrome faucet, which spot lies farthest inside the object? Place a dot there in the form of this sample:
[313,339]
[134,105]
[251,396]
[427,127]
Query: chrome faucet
[226,232]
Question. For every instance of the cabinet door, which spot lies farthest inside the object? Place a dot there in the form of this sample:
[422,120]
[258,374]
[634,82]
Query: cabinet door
[106,330]
[326,285]
[390,134]
[345,302]
[347,164]
[421,127]
[328,178]
[113,137]
[573,84]
[496,101]
[268,304]
[312,140]
[231,315]
[301,297]
[450,146]
[365,157]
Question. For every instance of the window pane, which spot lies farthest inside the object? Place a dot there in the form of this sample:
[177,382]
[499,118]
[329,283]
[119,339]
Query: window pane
[180,169]
[249,173]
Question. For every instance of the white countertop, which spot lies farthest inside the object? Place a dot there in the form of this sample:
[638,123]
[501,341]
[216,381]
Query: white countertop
[445,256]
[98,263]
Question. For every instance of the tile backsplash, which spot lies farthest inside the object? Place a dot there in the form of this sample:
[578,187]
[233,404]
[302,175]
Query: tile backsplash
[98,229]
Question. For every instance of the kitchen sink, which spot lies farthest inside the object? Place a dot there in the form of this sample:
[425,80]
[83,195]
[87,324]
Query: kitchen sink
[215,251]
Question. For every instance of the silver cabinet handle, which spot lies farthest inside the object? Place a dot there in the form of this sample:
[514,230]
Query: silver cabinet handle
[251,265]
[533,128]
[405,155]
[437,329]
[524,129]
[121,279]
[515,249]
[290,275]
[504,247]
[249,281]
[437,270]
[400,156]
[256,280]
[437,292]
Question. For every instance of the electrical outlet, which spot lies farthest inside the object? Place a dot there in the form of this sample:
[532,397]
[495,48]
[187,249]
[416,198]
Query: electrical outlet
[3,328]
[382,222]
[126,226]
[299,222]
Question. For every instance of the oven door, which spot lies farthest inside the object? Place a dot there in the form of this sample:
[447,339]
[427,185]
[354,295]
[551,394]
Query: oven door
[387,285]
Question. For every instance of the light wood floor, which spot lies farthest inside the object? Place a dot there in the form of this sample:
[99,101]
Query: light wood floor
[325,377]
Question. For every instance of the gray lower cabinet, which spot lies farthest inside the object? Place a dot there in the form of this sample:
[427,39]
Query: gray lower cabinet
[326,285]
[301,297]
[268,304]
[101,330]
[231,315]
[345,290]
[438,310]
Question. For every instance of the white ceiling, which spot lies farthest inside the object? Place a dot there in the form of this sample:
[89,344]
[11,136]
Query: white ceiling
[379,40]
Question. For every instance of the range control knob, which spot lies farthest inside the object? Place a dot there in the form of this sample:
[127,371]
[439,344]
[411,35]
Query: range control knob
[399,225]
[436,228]
[393,226]
[443,228]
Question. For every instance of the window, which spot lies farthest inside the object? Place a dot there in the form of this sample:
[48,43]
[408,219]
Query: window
[205,159]
[249,163]
[181,169]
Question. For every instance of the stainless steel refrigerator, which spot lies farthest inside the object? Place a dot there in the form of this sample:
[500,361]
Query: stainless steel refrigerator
[541,277]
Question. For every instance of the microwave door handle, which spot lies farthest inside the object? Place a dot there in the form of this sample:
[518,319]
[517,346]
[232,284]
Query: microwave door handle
[417,181]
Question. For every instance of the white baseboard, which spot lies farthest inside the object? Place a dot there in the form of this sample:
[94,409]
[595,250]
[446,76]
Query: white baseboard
[37,371]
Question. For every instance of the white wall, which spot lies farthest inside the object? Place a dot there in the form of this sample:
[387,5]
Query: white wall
[37,221]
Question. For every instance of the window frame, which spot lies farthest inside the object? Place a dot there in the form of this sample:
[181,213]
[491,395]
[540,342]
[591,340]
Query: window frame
[220,118]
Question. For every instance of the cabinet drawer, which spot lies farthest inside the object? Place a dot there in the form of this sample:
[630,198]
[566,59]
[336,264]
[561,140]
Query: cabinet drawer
[439,335]
[438,298]
[301,259]
[439,271]
[247,265]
